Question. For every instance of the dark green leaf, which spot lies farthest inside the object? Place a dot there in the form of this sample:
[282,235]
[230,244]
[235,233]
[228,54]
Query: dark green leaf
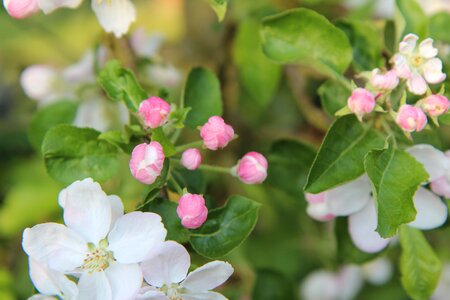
[159,136]
[333,96]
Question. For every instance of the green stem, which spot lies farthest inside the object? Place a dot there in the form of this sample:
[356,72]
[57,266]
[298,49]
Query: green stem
[189,145]
[176,185]
[209,168]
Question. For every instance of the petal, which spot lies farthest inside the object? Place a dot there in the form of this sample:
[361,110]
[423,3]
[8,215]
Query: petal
[426,49]
[42,297]
[432,70]
[431,211]
[43,278]
[203,296]
[319,285]
[208,276]
[115,16]
[54,245]
[416,84]
[348,198]
[362,227]
[82,71]
[350,282]
[125,280]
[441,187]
[378,271]
[150,293]
[169,265]
[134,235]
[408,43]
[94,286]
[87,209]
[402,68]
[48,6]
[116,208]
[434,161]
[38,81]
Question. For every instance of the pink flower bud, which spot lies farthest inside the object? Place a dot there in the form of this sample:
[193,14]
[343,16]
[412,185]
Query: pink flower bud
[154,111]
[435,105]
[441,186]
[361,102]
[252,168]
[146,162]
[192,210]
[411,118]
[191,159]
[216,133]
[21,8]
[317,208]
[386,82]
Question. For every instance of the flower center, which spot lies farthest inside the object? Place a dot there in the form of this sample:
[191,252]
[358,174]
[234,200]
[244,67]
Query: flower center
[97,260]
[173,291]
[416,61]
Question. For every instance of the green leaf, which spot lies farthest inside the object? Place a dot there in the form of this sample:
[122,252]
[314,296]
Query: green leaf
[159,136]
[395,177]
[304,36]
[220,7]
[410,18]
[73,153]
[439,25]
[258,75]
[341,155]
[168,212]
[193,181]
[289,162]
[120,84]
[62,112]
[226,228]
[202,93]
[178,117]
[419,265]
[366,42]
[333,96]
[272,285]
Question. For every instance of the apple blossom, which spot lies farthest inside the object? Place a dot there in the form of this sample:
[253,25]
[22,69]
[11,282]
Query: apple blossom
[435,105]
[317,208]
[147,161]
[361,102]
[418,65]
[154,111]
[191,159]
[192,210]
[99,244]
[443,287]
[167,275]
[21,8]
[384,82]
[252,168]
[216,133]
[411,118]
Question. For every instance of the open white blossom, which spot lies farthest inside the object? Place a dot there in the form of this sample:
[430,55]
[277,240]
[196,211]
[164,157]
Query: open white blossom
[99,244]
[168,278]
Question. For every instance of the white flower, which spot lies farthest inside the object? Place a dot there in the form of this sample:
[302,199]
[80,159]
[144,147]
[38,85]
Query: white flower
[418,65]
[443,288]
[167,275]
[115,16]
[99,244]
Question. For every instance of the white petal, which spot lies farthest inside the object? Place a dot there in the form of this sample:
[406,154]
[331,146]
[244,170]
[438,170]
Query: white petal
[42,297]
[408,43]
[48,6]
[150,293]
[426,49]
[125,280]
[43,278]
[87,210]
[378,271]
[55,245]
[134,235]
[319,285]
[38,81]
[169,265]
[348,198]
[402,68]
[208,276]
[82,71]
[94,286]
[432,70]
[146,45]
[115,16]
[416,84]
[350,282]
[203,296]
[431,211]
[362,227]
[434,161]
[116,208]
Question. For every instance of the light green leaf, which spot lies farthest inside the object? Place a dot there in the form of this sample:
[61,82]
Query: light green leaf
[202,93]
[226,228]
[419,265]
[62,112]
[220,7]
[258,75]
[395,177]
[73,153]
[120,84]
[159,136]
[439,25]
[333,96]
[341,155]
[410,18]
[306,37]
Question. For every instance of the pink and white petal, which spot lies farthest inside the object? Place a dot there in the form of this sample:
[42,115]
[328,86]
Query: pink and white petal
[115,16]
[416,84]
[169,265]
[43,278]
[401,66]
[441,186]
[426,49]
[125,280]
[203,296]
[55,245]
[348,198]
[319,212]
[208,276]
[117,209]
[431,211]
[362,227]
[150,293]
[434,161]
[87,209]
[432,71]
[134,235]
[48,6]
[94,286]
[408,43]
